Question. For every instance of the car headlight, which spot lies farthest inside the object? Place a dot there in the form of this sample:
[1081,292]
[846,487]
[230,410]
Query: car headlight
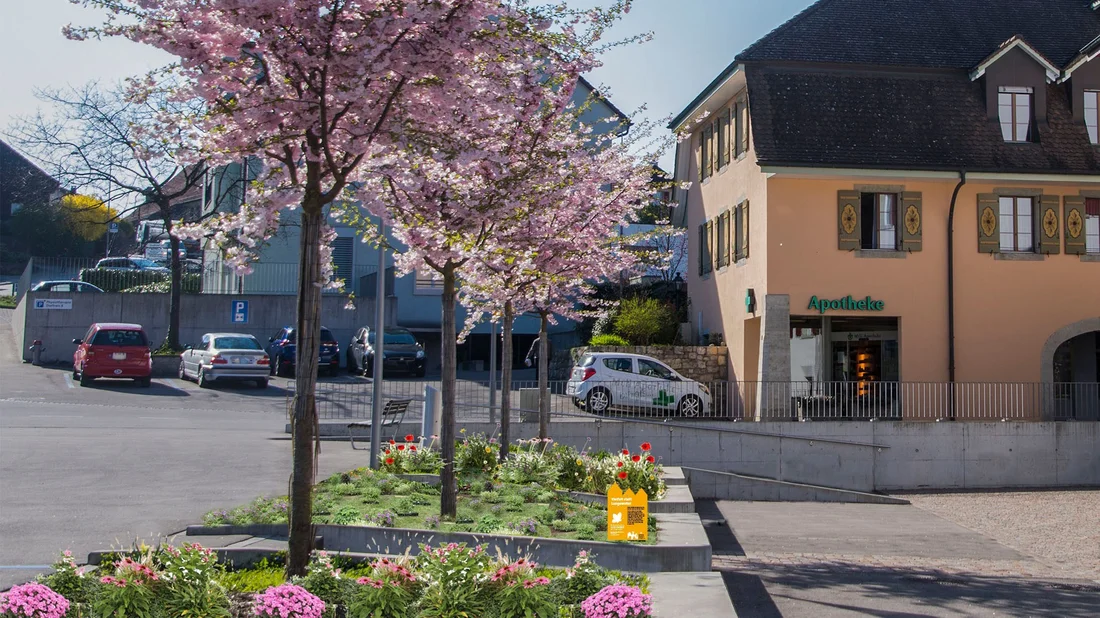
[420,354]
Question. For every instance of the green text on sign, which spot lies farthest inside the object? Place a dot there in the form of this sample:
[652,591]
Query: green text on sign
[846,304]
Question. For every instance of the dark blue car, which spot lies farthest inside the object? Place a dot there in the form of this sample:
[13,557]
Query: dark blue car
[281,348]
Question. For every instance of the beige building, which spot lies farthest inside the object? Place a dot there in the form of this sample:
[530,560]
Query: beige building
[888,221]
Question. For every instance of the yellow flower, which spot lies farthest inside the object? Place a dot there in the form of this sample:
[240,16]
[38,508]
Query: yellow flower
[463,430]
[580,462]
[488,450]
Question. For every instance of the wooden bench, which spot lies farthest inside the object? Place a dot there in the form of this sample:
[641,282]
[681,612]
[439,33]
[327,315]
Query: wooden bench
[393,414]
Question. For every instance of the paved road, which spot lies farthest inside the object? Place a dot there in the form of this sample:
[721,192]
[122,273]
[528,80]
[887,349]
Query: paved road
[86,469]
[803,560]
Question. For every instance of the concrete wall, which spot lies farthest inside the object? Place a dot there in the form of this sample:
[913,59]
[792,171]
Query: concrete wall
[201,313]
[859,456]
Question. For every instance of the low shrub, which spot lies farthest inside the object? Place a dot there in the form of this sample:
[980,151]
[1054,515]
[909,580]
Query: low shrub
[608,340]
[646,321]
[288,601]
[476,454]
[387,591]
[618,601]
[70,581]
[322,579]
[33,601]
[8,302]
[346,516]
[255,579]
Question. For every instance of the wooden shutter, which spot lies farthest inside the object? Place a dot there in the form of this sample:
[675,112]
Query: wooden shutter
[702,249]
[745,125]
[847,220]
[722,240]
[735,111]
[738,233]
[1074,211]
[912,221]
[710,245]
[745,217]
[1050,225]
[708,152]
[699,158]
[989,223]
[724,118]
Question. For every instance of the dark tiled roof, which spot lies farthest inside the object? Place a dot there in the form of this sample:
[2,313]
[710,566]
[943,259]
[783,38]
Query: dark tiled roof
[928,33]
[908,121]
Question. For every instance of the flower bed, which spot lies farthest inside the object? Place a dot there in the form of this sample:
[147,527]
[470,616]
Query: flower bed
[520,496]
[453,580]
[487,505]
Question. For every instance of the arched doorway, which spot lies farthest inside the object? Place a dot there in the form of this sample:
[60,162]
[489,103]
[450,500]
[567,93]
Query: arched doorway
[1071,365]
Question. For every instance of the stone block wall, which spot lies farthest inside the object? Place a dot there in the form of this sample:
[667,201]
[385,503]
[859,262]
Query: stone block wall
[700,363]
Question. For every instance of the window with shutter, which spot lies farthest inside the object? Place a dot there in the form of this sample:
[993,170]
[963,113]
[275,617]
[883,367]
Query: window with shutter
[1092,225]
[1081,217]
[722,235]
[704,261]
[710,245]
[739,129]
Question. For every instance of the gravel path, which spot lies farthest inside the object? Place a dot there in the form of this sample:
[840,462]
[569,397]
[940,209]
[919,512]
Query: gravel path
[1058,528]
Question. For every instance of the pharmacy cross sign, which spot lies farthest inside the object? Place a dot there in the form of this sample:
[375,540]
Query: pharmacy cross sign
[663,399]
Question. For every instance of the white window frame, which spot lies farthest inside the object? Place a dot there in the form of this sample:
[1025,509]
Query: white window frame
[1092,115]
[1018,218]
[1092,231]
[1011,99]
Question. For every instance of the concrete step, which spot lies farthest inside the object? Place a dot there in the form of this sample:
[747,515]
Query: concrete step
[674,476]
[699,595]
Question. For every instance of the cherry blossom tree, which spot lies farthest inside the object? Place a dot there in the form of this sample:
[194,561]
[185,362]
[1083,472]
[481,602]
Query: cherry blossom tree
[324,93]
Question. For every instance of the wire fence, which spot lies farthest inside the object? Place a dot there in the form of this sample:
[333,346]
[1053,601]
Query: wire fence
[136,274]
[730,401]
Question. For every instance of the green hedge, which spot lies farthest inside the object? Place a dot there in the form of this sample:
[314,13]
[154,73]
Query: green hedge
[142,281]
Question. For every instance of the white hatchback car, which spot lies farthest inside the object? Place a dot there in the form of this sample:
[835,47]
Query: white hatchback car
[604,380]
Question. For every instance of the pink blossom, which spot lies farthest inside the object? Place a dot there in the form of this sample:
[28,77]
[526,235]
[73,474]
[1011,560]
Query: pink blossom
[33,601]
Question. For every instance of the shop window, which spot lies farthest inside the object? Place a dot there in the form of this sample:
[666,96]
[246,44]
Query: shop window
[1016,223]
[878,221]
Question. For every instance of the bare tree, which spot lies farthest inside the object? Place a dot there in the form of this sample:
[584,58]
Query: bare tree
[131,148]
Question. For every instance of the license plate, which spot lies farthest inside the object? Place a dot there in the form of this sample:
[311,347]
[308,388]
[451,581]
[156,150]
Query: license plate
[239,360]
[119,356]
[570,389]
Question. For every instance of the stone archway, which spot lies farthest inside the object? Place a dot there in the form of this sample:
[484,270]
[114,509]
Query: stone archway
[1060,336]
[1064,401]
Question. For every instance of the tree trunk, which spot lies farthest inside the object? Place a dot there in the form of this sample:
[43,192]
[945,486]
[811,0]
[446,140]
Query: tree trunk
[304,421]
[448,498]
[544,377]
[506,379]
[176,289]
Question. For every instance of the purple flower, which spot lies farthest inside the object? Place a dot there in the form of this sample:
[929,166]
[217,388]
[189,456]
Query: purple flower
[33,601]
[288,601]
[617,601]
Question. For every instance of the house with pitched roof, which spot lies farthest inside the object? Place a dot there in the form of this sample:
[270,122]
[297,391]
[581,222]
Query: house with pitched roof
[886,193]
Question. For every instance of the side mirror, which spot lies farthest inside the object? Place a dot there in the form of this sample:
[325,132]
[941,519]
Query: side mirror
[188,347]
[78,341]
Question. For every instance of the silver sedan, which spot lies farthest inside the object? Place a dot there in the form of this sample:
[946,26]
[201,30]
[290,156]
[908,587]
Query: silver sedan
[224,357]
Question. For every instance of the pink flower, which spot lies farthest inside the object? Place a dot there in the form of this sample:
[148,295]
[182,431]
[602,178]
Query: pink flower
[33,601]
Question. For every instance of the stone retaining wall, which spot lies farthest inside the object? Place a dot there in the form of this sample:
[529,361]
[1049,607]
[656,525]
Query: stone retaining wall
[700,363]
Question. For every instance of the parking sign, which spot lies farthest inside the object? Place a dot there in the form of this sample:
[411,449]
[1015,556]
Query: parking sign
[239,314]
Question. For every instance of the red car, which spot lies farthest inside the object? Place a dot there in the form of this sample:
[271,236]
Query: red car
[113,350]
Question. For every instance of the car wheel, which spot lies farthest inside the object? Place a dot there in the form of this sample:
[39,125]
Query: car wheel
[85,380]
[691,406]
[183,374]
[598,400]
[144,382]
[76,374]
[203,381]
[261,383]
[352,365]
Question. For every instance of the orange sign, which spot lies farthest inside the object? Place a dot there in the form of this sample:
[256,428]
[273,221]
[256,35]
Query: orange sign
[627,514]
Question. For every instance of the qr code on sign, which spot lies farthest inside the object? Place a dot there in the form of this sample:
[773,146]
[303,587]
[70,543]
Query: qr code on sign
[635,515]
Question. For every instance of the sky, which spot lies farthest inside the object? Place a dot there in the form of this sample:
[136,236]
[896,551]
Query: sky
[693,40]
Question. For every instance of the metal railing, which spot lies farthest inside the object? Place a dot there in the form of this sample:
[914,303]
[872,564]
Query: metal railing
[349,398]
[265,278]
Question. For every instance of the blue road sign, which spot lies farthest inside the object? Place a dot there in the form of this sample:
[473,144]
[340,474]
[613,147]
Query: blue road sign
[239,315]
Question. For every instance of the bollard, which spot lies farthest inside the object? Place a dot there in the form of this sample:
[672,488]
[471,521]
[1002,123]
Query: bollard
[36,352]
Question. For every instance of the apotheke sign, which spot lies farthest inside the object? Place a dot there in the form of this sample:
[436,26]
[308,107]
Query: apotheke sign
[846,304]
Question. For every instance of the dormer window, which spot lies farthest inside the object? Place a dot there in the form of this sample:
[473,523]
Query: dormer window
[1092,115]
[1014,104]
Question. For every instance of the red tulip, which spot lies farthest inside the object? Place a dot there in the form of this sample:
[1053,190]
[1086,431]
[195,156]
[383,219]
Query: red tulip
[637,458]
[650,459]
[626,452]
[400,447]
[622,475]
[619,464]
[646,446]
[389,461]
[410,438]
